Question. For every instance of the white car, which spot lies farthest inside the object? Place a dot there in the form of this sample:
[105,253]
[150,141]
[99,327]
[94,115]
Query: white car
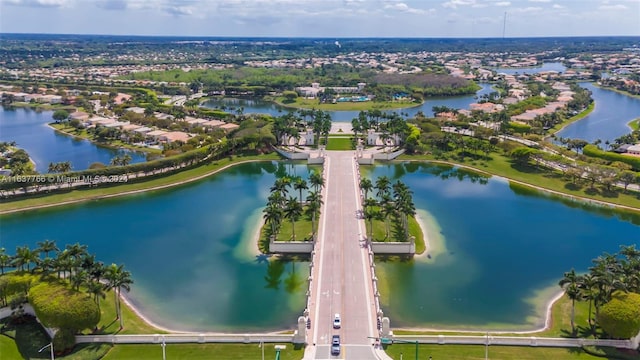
[336,321]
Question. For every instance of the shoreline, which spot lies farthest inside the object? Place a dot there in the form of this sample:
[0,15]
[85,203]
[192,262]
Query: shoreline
[545,190]
[125,193]
[106,146]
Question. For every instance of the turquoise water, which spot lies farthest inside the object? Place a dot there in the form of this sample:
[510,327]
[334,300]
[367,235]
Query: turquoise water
[503,246]
[190,250]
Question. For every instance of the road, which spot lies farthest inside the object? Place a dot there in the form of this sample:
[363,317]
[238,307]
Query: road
[341,275]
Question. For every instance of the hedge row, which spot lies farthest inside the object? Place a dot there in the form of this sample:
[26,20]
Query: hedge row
[593,151]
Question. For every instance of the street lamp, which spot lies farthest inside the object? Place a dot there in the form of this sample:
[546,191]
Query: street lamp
[164,351]
[50,345]
[262,346]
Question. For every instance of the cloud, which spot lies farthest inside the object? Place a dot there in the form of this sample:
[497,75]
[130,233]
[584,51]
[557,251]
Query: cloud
[612,7]
[36,3]
[178,10]
[503,3]
[540,1]
[402,7]
[556,6]
[528,9]
[453,4]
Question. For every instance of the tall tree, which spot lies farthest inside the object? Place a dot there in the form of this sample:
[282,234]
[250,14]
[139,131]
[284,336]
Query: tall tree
[569,283]
[293,212]
[117,279]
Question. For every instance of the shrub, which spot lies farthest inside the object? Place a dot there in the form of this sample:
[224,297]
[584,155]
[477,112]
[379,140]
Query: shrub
[64,339]
[620,317]
[59,307]
[592,150]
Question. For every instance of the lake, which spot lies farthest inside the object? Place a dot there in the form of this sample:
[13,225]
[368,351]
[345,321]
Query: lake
[265,107]
[190,250]
[609,119]
[28,128]
[498,250]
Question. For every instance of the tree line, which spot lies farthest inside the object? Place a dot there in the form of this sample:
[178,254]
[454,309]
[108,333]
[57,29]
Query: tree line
[58,284]
[392,202]
[612,289]
[282,206]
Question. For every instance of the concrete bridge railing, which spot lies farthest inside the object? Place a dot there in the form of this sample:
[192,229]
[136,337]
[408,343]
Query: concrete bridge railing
[185,338]
[514,341]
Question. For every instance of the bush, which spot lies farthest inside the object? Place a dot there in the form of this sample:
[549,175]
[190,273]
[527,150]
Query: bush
[59,307]
[592,150]
[620,317]
[63,340]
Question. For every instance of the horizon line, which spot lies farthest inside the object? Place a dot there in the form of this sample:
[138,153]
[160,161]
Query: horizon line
[322,37]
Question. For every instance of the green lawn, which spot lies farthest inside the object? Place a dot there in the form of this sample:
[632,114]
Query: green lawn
[95,193]
[634,124]
[340,143]
[133,324]
[530,174]
[202,351]
[395,233]
[470,352]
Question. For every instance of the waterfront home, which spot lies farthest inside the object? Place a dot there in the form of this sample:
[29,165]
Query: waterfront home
[174,136]
[229,127]
[213,123]
[634,149]
[487,107]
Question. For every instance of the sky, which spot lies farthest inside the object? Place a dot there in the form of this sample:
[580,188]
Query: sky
[324,18]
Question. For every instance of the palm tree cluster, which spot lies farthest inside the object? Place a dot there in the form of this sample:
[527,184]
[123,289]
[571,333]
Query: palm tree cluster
[609,273]
[59,167]
[123,160]
[391,202]
[293,124]
[280,207]
[73,263]
[390,125]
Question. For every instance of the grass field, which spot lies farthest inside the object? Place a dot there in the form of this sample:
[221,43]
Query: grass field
[340,143]
[203,352]
[477,352]
[395,233]
[634,124]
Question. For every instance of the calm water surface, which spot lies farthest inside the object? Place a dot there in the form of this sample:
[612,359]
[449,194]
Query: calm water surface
[190,250]
[264,107]
[503,246]
[29,130]
[608,120]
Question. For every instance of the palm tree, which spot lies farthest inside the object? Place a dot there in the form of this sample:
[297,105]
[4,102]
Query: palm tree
[24,256]
[387,207]
[125,160]
[370,213]
[366,185]
[569,283]
[293,211]
[47,246]
[5,260]
[96,289]
[281,185]
[118,278]
[316,180]
[300,184]
[273,216]
[314,203]
[382,185]
[589,291]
